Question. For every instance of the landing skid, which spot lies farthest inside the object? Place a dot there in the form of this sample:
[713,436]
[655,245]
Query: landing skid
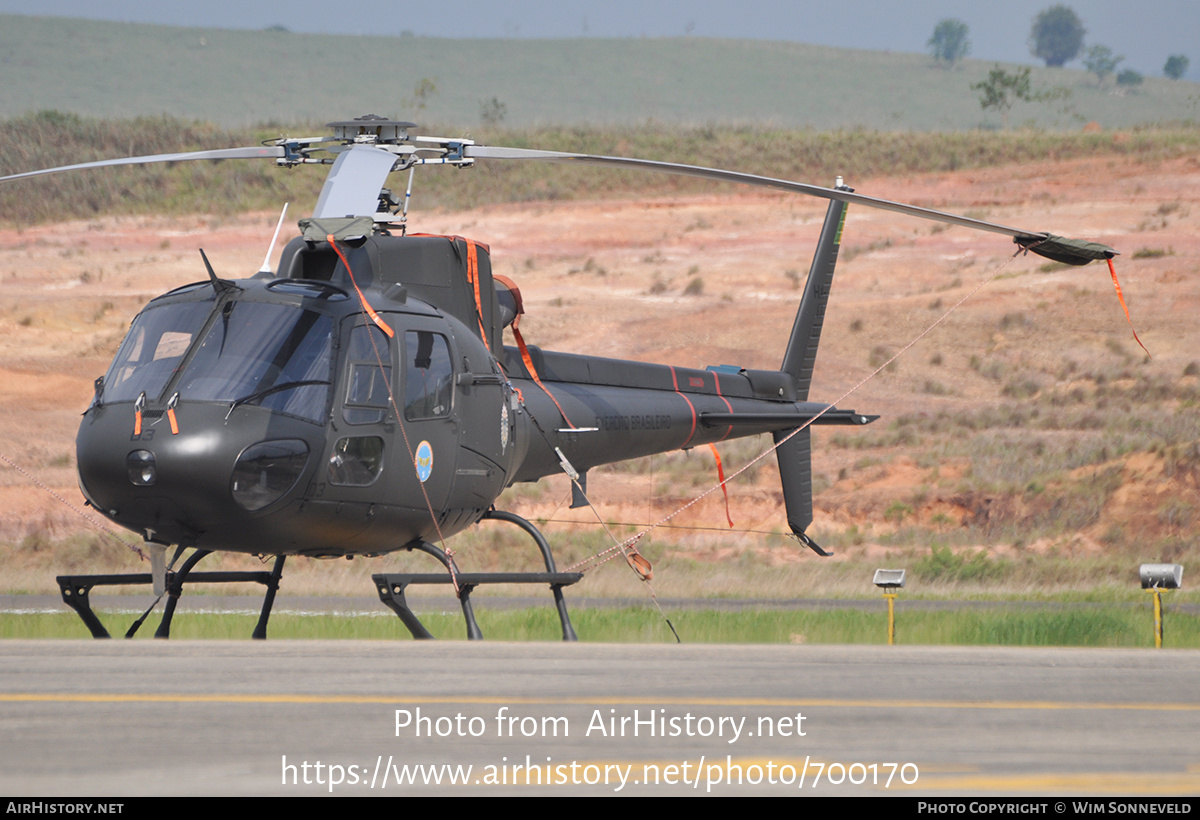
[391,585]
[75,591]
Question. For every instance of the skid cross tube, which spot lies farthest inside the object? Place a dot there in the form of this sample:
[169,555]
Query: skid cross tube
[75,591]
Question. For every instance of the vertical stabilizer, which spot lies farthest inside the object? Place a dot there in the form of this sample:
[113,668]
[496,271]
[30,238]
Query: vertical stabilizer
[801,352]
[795,454]
[795,472]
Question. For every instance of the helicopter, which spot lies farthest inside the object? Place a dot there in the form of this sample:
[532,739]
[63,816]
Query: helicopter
[360,399]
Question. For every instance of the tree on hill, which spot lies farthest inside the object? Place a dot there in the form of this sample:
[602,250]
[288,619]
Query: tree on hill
[949,42]
[423,92]
[1001,91]
[492,112]
[1101,61]
[1129,78]
[1176,66]
[1056,36]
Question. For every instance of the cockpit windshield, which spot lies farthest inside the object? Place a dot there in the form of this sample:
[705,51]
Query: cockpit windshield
[275,356]
[153,350]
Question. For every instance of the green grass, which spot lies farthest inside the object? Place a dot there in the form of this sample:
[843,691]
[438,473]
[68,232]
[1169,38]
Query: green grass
[1092,626]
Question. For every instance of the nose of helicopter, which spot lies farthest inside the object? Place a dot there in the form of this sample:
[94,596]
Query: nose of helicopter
[213,470]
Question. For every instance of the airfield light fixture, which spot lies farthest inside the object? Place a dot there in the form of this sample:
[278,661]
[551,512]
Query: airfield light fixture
[890,580]
[1155,578]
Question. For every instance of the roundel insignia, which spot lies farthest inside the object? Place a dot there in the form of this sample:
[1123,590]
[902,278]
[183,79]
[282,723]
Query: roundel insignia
[503,427]
[424,461]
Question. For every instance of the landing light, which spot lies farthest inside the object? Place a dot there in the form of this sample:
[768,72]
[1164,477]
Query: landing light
[142,469]
[265,472]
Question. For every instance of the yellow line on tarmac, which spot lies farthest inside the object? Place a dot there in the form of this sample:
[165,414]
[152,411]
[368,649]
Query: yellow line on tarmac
[599,700]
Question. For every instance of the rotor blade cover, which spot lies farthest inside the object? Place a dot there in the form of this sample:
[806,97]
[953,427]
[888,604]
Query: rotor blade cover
[353,185]
[1067,251]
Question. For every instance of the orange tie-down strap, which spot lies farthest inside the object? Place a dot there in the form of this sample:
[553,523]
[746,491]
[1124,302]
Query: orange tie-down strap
[519,306]
[1121,298]
[721,476]
[375,317]
[528,360]
[472,276]
[637,562]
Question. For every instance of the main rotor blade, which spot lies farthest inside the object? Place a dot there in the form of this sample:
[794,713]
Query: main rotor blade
[1027,238]
[253,152]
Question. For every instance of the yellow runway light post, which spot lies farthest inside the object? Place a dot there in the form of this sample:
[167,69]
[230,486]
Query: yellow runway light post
[889,580]
[1156,578]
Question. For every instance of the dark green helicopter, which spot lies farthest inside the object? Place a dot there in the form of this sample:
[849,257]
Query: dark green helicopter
[361,400]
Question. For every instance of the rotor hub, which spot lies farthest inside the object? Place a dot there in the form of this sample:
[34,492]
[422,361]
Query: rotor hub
[372,129]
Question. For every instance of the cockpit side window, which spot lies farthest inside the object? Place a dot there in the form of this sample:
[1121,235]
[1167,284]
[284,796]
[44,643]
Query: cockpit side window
[428,375]
[369,372]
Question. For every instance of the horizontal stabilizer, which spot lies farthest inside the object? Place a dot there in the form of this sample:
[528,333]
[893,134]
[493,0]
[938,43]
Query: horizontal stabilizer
[829,417]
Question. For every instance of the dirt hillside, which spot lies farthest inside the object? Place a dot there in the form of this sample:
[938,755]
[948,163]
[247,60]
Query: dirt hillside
[1029,417]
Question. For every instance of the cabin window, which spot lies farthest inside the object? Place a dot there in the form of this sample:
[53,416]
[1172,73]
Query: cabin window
[367,397]
[428,375]
[356,461]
